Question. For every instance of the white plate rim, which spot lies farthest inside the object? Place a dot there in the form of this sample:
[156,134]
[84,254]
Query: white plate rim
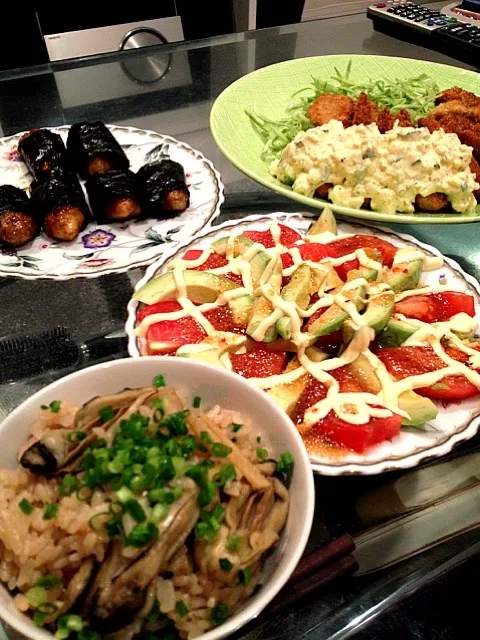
[198,155]
[468,430]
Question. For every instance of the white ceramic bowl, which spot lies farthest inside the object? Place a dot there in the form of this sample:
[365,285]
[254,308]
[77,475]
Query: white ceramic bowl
[214,386]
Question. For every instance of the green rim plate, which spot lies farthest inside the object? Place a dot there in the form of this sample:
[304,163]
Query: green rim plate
[269,90]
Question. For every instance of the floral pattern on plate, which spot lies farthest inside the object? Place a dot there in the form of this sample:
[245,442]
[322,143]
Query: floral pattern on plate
[115,247]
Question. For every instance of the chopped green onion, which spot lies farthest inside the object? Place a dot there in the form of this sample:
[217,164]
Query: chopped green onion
[48,608]
[176,423]
[226,473]
[55,406]
[93,520]
[159,406]
[177,492]
[207,528]
[84,494]
[159,381]
[244,576]
[67,624]
[26,506]
[135,509]
[206,494]
[124,495]
[37,596]
[141,534]
[76,436]
[262,453]
[220,450]
[286,462]
[259,439]
[180,465]
[233,543]
[116,466]
[196,402]
[206,437]
[155,613]
[219,613]
[50,511]
[181,608]
[107,414]
[225,564]
[68,485]
[48,582]
[38,616]
[159,512]
[236,427]
[44,407]
[117,508]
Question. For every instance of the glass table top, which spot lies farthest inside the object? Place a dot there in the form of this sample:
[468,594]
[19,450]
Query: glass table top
[171,90]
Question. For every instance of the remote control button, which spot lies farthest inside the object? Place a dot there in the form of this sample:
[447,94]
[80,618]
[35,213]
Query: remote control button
[419,19]
[381,5]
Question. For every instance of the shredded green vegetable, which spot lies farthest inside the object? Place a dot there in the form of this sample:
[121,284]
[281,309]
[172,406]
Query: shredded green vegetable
[417,95]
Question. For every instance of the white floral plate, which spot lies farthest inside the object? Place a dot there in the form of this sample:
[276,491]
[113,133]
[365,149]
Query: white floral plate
[116,247]
[455,423]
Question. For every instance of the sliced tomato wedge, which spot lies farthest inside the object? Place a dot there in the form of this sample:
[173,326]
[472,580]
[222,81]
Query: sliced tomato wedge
[436,307]
[165,306]
[315,252]
[338,431]
[288,236]
[344,268]
[330,343]
[222,320]
[168,335]
[287,260]
[214,261]
[402,362]
[344,246]
[259,362]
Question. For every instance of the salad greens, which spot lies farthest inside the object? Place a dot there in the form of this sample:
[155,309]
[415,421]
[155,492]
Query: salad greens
[417,95]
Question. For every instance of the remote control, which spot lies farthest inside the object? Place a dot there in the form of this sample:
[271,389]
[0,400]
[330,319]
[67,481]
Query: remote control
[428,28]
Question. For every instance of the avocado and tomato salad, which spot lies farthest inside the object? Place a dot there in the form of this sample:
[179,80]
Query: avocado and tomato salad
[337,328]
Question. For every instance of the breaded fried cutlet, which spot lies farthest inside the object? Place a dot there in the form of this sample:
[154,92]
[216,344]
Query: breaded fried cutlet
[456,93]
[433,202]
[456,108]
[365,111]
[466,130]
[475,169]
[331,106]
[386,119]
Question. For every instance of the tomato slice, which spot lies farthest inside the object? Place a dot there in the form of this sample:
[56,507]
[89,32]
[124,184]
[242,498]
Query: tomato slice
[165,306]
[337,431]
[436,307]
[315,252]
[344,246]
[259,362]
[288,236]
[172,334]
[402,362]
[222,320]
[343,269]
[330,343]
[212,262]
[287,260]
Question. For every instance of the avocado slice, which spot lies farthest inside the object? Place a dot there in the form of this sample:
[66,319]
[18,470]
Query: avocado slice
[202,287]
[334,317]
[241,309]
[419,409]
[298,291]
[240,245]
[286,395]
[395,333]
[326,222]
[403,276]
[262,307]
[377,314]
[370,275]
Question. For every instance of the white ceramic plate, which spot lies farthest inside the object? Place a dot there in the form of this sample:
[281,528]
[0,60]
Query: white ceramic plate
[214,386]
[116,247]
[455,423]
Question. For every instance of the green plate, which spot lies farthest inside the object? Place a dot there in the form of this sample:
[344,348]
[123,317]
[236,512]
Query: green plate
[270,90]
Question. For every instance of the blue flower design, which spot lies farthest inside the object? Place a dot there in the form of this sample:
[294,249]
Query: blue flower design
[98,239]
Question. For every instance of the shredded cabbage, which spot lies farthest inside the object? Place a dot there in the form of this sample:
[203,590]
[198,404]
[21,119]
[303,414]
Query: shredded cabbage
[417,95]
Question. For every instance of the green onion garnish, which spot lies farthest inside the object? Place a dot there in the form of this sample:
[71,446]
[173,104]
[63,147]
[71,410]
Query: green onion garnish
[262,453]
[124,495]
[181,608]
[26,506]
[159,512]
[226,473]
[47,608]
[55,406]
[107,414]
[207,528]
[176,423]
[196,402]
[286,462]
[48,582]
[225,564]
[206,494]
[37,596]
[159,381]
[68,485]
[135,509]
[76,436]
[219,613]
[233,543]
[220,450]
[236,427]
[38,616]
[50,511]
[141,534]
[206,437]
[244,576]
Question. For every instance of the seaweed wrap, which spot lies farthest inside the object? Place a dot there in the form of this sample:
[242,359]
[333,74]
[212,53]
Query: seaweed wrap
[42,151]
[162,188]
[112,196]
[61,203]
[92,149]
[17,223]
